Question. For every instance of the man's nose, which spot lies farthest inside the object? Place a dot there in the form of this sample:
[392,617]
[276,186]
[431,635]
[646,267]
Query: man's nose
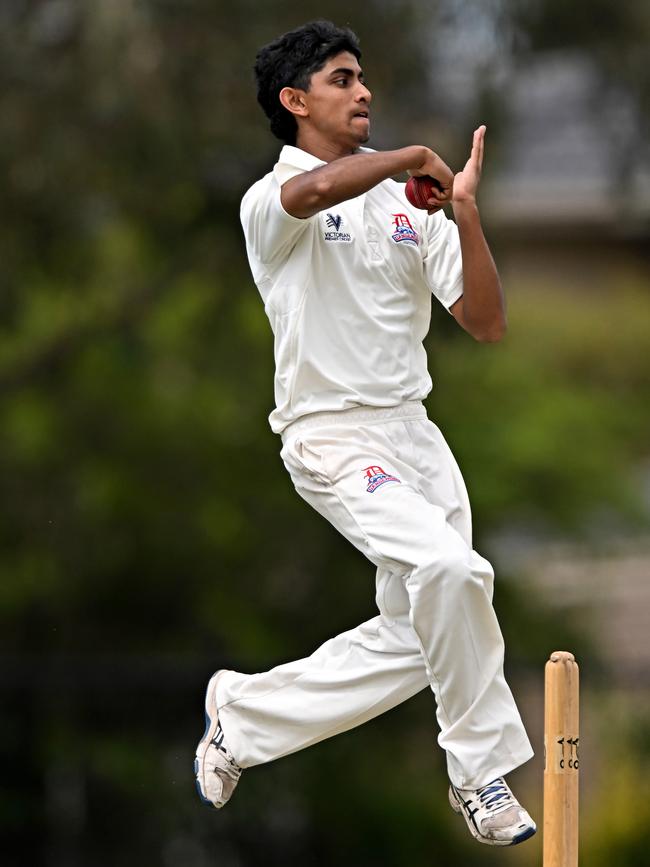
[364,93]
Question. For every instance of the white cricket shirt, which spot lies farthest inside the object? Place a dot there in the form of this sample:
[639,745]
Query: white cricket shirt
[347,292]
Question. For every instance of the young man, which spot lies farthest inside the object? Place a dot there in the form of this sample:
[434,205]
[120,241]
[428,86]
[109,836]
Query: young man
[346,268]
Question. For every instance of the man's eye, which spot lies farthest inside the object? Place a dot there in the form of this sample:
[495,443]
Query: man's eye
[341,81]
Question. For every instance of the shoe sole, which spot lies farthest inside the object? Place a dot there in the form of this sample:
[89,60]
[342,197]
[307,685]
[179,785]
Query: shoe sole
[211,723]
[457,807]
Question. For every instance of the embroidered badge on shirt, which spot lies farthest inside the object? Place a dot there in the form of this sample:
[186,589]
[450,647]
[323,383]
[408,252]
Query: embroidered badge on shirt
[334,222]
[375,477]
[403,231]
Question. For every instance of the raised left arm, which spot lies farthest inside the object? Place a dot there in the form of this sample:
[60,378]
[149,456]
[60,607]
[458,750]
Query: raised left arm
[481,309]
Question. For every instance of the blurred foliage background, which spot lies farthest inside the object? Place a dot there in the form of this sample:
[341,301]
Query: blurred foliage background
[149,532]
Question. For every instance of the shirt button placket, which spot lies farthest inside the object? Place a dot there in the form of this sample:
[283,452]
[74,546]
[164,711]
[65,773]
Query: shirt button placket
[372,236]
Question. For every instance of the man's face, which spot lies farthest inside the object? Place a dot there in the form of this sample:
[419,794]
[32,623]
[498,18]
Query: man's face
[338,102]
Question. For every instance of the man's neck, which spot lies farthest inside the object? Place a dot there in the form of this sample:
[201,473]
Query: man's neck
[324,150]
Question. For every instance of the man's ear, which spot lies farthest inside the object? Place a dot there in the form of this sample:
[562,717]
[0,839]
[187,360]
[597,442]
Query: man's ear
[293,99]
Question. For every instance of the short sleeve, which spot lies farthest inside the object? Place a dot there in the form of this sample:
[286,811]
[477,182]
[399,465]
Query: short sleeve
[269,230]
[443,262]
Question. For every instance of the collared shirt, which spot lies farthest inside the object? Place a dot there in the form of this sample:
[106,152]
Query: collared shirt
[347,292]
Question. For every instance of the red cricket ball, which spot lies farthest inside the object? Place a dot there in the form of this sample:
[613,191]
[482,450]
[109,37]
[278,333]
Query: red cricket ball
[419,189]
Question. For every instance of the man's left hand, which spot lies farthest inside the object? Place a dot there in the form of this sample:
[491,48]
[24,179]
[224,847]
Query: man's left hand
[466,182]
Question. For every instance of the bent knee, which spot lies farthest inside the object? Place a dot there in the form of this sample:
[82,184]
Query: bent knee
[457,570]
[451,566]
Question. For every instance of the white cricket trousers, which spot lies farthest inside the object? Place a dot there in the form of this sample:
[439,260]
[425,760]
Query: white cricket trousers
[387,480]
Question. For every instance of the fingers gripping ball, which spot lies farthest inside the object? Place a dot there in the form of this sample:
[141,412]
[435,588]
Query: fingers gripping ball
[419,189]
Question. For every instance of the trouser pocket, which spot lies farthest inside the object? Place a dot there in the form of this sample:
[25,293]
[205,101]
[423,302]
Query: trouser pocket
[302,457]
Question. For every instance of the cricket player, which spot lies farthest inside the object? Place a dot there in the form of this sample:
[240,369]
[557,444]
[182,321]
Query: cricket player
[346,268]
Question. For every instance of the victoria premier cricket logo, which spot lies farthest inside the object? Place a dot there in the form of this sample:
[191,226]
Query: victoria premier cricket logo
[375,477]
[334,222]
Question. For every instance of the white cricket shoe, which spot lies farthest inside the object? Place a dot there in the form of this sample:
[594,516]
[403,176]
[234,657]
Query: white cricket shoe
[493,814]
[216,771]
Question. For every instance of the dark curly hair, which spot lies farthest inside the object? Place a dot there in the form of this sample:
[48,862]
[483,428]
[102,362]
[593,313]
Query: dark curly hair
[290,61]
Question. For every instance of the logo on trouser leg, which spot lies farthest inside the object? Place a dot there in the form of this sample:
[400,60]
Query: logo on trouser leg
[375,477]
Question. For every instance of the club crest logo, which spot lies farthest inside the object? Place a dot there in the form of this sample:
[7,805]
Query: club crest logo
[403,231]
[334,222]
[375,477]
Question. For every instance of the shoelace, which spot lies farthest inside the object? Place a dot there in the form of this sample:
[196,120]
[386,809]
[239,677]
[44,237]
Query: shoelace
[496,796]
[219,743]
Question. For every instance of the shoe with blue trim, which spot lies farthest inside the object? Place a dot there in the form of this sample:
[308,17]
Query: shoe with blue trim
[217,772]
[493,814]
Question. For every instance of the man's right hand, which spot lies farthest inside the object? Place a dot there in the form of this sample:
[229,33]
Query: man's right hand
[435,167]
